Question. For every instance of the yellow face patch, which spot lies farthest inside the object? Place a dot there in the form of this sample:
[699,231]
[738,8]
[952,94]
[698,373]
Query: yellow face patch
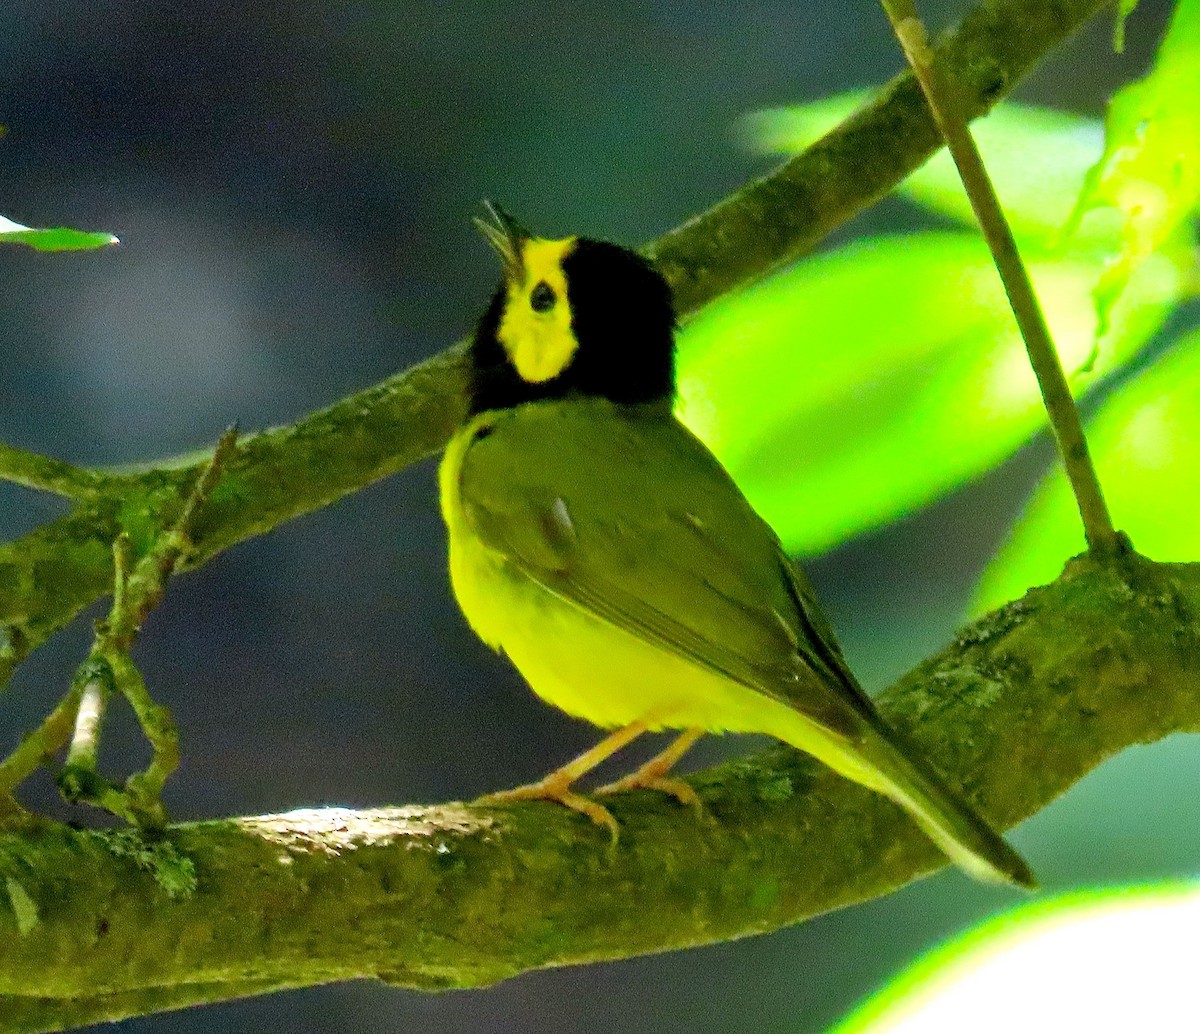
[536,327]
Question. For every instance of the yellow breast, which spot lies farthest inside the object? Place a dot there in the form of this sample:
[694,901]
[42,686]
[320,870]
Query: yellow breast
[575,660]
[472,570]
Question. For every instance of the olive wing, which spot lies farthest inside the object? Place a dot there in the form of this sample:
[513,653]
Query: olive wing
[626,515]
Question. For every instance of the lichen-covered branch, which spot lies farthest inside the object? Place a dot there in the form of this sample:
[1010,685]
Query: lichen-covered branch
[48,576]
[1019,707]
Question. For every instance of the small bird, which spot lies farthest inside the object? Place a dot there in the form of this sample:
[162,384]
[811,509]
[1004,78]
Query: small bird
[605,551]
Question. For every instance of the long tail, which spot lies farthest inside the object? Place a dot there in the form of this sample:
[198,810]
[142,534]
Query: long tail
[901,774]
[878,757]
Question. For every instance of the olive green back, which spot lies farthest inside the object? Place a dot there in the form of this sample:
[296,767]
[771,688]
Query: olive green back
[622,512]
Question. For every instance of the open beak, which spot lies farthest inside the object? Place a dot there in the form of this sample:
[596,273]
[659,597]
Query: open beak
[506,235]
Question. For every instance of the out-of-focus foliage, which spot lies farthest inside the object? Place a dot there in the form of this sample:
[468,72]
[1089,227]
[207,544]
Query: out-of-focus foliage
[1150,170]
[895,372]
[56,239]
[1037,159]
[1145,440]
[865,381]
[1119,958]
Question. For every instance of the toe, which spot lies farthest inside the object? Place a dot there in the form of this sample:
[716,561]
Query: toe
[676,788]
[643,780]
[560,793]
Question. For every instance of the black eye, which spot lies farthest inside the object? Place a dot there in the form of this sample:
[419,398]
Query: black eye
[542,299]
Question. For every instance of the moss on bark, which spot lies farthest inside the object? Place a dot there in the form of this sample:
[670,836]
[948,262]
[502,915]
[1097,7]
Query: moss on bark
[1018,707]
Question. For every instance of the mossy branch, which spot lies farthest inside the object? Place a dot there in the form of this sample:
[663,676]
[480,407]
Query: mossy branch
[48,576]
[47,474]
[1020,706]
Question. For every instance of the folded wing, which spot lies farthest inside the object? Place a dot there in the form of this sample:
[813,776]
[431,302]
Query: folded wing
[625,514]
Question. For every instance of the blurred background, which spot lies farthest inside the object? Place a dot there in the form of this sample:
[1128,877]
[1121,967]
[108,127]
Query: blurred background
[293,185]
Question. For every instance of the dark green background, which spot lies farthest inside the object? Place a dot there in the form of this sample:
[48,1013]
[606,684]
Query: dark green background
[293,185]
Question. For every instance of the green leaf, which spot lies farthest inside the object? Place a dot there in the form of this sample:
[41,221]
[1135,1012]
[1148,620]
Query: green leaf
[861,383]
[1037,158]
[790,129]
[1150,170]
[1145,441]
[1109,958]
[57,239]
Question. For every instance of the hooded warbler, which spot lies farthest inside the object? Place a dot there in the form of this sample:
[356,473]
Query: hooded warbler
[606,552]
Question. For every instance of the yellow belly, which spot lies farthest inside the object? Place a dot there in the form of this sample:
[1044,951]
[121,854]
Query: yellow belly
[588,667]
[597,671]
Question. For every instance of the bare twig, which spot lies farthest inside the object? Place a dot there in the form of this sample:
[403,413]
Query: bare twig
[942,94]
[38,747]
[138,586]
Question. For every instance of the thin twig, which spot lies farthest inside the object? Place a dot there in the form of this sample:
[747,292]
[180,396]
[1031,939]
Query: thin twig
[47,474]
[89,719]
[287,471]
[145,788]
[941,95]
[14,647]
[138,585]
[79,779]
[38,746]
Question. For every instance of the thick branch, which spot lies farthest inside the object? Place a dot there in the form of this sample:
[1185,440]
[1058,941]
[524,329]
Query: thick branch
[50,575]
[1023,704]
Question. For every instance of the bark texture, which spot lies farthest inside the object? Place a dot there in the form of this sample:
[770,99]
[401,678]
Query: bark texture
[102,925]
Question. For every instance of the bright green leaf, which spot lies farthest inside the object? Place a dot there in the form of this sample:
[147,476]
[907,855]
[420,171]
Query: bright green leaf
[1114,958]
[791,129]
[57,239]
[1150,170]
[1037,158]
[864,382]
[1145,441]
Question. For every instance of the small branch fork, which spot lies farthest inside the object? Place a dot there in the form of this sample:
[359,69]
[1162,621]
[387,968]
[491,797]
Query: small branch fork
[941,94]
[138,586]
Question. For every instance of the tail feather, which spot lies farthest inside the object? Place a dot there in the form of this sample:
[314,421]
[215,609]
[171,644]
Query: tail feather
[942,813]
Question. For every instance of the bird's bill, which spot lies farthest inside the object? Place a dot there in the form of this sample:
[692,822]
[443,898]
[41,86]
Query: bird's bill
[506,235]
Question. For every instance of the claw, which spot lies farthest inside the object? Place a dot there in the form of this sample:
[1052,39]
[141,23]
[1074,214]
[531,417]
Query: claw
[653,774]
[643,780]
[558,790]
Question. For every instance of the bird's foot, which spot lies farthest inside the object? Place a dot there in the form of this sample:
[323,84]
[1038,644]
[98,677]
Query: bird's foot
[558,790]
[651,777]
[653,774]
